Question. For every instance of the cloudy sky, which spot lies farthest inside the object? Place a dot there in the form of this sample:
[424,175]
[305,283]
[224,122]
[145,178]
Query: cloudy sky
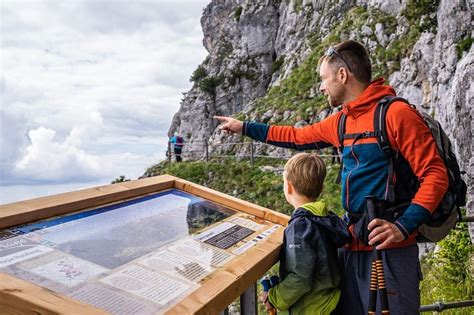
[88,89]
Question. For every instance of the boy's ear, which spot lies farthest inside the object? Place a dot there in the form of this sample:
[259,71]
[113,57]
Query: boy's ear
[290,187]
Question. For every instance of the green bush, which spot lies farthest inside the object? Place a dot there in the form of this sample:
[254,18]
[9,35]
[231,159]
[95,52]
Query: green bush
[198,74]
[276,65]
[238,13]
[421,14]
[120,179]
[463,45]
[209,84]
[237,73]
[447,271]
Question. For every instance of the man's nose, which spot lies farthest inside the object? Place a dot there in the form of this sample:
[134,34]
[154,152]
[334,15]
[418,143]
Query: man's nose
[321,88]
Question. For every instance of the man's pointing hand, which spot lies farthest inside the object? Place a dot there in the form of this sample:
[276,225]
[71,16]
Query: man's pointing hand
[230,124]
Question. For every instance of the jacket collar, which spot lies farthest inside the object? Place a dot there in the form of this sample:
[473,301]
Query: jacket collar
[373,93]
[316,208]
[331,224]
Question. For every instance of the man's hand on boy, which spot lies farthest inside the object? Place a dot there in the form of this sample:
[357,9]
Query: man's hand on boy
[384,232]
[264,300]
[230,124]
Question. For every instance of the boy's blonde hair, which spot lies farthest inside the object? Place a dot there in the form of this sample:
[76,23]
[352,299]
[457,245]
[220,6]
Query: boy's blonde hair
[306,172]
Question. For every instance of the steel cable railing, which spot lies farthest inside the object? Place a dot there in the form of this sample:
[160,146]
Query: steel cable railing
[200,151]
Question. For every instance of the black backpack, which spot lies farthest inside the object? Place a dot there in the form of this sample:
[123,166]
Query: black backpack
[401,193]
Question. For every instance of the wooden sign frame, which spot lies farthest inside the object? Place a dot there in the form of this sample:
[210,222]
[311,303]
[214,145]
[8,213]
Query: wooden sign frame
[215,293]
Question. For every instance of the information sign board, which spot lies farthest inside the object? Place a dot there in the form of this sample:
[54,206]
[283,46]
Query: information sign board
[166,251]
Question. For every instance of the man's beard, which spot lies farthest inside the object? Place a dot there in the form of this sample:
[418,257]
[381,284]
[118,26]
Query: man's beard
[337,97]
[333,102]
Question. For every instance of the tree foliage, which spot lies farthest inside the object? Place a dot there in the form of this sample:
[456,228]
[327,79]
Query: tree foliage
[120,179]
[198,74]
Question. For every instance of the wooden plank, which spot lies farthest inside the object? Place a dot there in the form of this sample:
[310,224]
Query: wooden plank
[21,297]
[45,207]
[232,202]
[225,285]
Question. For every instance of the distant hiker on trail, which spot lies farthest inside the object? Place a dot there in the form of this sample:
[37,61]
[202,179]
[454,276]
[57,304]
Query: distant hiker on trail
[309,269]
[345,72]
[177,142]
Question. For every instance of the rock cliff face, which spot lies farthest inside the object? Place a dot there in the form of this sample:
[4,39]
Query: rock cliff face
[264,53]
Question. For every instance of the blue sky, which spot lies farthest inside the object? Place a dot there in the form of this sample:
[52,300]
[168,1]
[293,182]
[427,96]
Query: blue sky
[88,89]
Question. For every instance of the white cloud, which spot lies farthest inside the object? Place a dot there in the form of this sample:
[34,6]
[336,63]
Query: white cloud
[88,88]
[12,140]
[49,160]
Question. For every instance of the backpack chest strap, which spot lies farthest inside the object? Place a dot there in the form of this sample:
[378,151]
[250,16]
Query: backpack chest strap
[361,135]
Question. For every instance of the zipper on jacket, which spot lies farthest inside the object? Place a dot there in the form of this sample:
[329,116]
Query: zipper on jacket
[361,135]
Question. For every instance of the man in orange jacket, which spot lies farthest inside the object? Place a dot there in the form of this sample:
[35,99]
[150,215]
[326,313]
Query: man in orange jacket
[345,72]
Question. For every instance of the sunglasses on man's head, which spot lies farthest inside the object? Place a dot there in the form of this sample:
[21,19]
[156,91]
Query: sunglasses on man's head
[332,51]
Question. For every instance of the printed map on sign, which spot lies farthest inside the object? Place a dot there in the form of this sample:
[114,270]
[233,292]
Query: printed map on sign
[224,235]
[64,269]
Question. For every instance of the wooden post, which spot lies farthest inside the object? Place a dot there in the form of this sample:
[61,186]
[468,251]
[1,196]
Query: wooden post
[248,301]
[251,152]
[206,148]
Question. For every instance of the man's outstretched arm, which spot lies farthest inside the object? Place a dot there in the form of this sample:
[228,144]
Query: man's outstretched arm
[315,136]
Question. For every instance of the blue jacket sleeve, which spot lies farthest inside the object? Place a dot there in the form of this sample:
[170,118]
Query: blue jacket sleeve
[256,131]
[414,216]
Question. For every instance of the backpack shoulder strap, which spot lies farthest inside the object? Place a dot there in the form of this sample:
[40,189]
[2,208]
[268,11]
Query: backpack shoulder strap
[341,130]
[380,129]
[380,125]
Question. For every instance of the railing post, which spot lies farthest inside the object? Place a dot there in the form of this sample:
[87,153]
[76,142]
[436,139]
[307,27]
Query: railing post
[248,301]
[251,152]
[206,148]
[169,151]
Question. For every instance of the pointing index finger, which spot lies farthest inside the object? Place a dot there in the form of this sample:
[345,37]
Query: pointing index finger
[222,118]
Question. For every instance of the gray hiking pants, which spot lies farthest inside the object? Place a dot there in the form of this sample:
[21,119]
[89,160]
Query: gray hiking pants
[402,276]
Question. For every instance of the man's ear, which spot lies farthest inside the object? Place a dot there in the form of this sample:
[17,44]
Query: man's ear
[342,75]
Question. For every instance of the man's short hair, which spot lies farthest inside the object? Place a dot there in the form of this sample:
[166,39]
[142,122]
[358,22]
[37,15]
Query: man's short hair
[354,56]
[306,172]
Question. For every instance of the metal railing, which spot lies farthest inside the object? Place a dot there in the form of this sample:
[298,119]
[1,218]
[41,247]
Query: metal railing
[441,306]
[201,151]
